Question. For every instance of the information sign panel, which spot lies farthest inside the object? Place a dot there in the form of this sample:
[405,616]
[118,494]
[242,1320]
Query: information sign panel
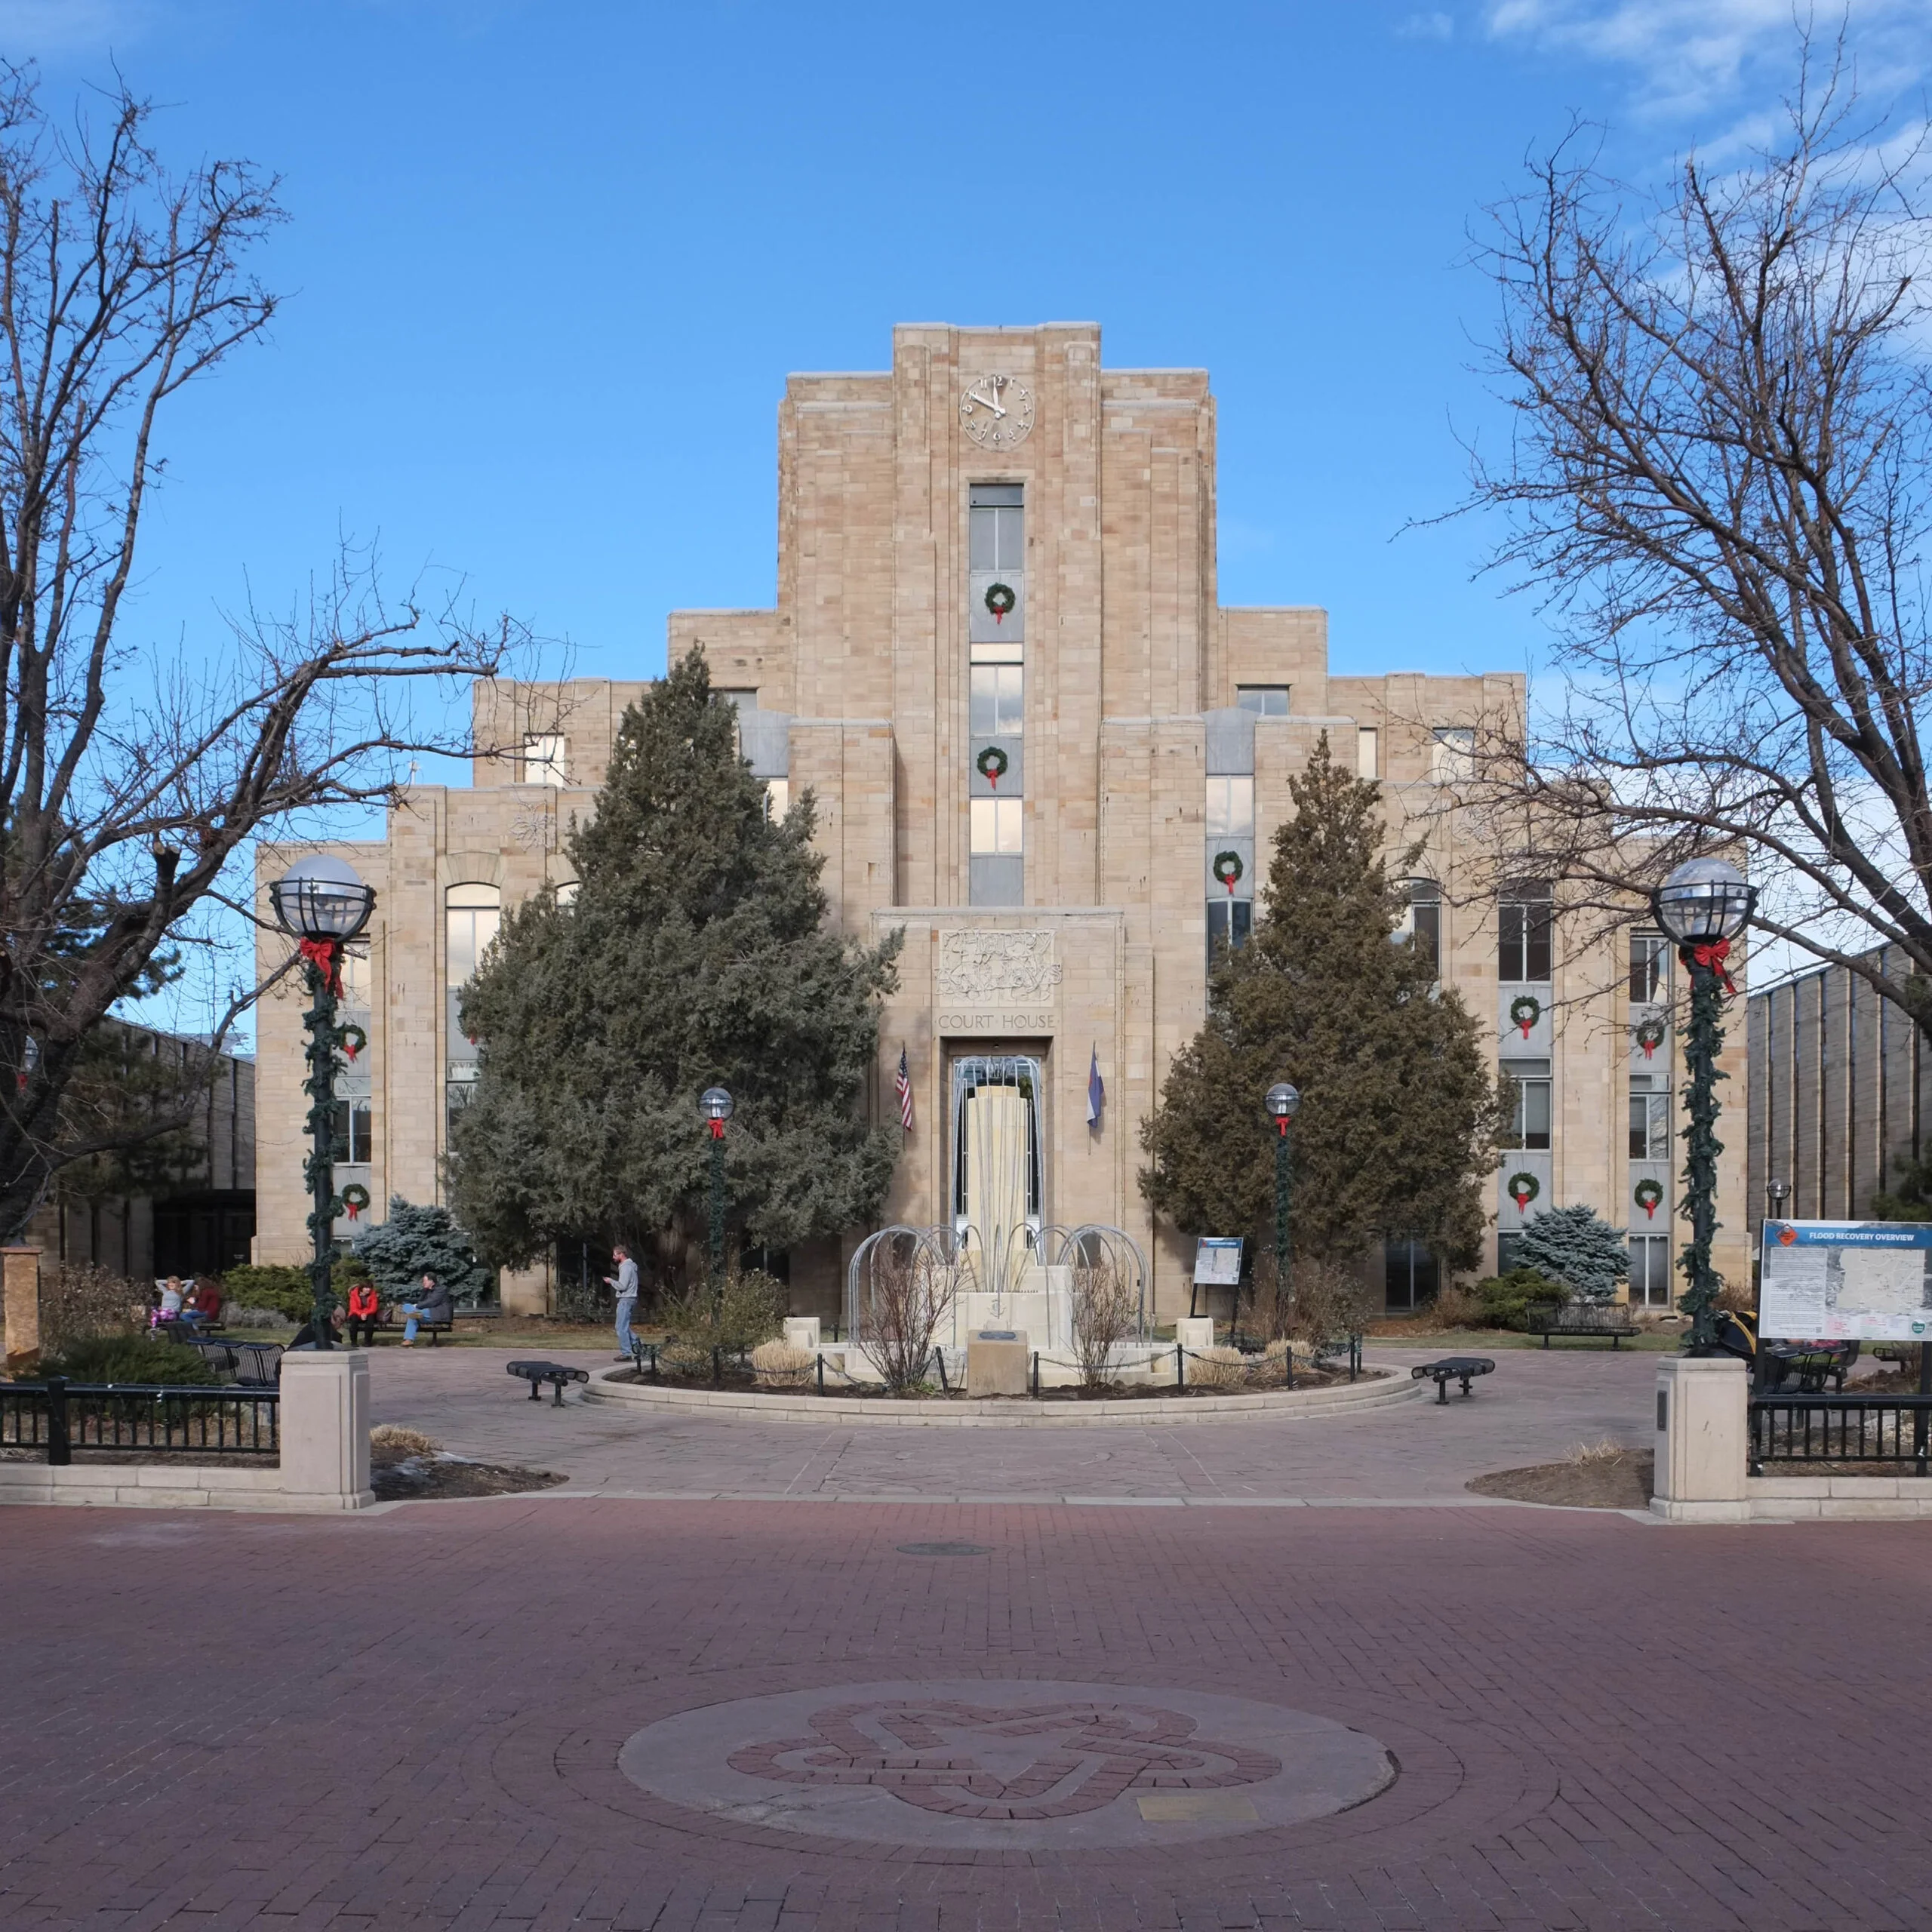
[1870,1281]
[1217,1261]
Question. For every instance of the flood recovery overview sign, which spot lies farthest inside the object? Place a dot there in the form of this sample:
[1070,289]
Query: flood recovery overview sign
[1834,1280]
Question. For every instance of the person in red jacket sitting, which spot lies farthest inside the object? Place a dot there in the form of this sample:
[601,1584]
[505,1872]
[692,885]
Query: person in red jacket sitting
[364,1305]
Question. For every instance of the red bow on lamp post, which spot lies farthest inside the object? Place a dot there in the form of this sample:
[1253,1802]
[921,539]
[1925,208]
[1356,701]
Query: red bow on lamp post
[1711,956]
[325,956]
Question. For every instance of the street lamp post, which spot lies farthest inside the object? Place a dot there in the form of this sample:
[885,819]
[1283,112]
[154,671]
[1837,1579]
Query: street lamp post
[715,1105]
[324,903]
[1704,905]
[1777,1193]
[1281,1101]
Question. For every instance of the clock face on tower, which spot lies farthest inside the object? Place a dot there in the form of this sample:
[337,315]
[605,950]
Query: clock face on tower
[996,412]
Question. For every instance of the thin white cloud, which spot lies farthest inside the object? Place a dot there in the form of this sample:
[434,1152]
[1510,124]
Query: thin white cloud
[32,29]
[1426,26]
[1687,56]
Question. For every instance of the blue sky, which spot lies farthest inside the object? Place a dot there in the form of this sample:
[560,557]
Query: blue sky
[549,265]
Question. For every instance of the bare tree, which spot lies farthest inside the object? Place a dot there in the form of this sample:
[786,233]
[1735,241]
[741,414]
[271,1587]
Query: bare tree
[131,785]
[1106,1312]
[1718,479]
[910,1283]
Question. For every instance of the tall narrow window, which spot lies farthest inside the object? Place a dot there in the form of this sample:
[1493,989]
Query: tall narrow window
[1650,968]
[1452,756]
[1422,928]
[997,527]
[996,827]
[1230,922]
[471,916]
[997,708]
[1368,752]
[1410,1276]
[777,799]
[1529,1126]
[1264,701]
[1524,915]
[996,573]
[1649,1122]
[1231,807]
[543,762]
[1649,1271]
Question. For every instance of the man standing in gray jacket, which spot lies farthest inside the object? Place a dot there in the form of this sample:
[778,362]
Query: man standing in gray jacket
[625,1282]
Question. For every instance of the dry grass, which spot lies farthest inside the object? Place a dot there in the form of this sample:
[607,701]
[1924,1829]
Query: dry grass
[1582,1455]
[781,1365]
[390,1443]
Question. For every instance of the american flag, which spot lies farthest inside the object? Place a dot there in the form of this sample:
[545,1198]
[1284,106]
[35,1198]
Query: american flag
[904,1083]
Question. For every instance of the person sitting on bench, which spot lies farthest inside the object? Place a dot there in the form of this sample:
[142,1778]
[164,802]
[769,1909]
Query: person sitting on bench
[365,1307]
[433,1306]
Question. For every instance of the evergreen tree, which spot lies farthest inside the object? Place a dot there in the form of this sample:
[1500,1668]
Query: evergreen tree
[1913,1200]
[414,1241]
[1399,1114]
[1577,1247]
[693,954]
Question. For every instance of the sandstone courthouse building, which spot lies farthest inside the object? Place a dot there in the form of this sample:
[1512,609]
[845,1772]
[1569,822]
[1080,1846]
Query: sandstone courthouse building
[1042,746]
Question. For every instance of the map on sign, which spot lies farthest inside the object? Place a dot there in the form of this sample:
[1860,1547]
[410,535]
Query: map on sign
[1217,1261]
[1870,1281]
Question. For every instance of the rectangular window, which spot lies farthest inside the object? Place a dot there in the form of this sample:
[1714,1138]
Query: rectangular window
[1410,1276]
[1650,1126]
[1231,808]
[1422,928]
[996,527]
[996,827]
[777,803]
[356,979]
[1229,923]
[1529,1125]
[743,697]
[1650,968]
[352,1131]
[997,697]
[1368,752]
[1452,757]
[1649,1271]
[1506,1252]
[1524,916]
[1264,701]
[543,759]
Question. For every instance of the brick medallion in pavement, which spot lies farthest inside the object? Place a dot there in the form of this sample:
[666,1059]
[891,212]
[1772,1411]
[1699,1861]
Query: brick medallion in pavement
[1023,1766]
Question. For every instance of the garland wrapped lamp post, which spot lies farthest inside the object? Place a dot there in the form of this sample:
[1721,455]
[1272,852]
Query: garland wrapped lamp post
[1281,1101]
[1704,905]
[715,1105]
[324,903]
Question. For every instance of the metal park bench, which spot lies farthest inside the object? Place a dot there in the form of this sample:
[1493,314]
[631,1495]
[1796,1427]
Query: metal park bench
[1584,1321]
[1453,1368]
[556,1373]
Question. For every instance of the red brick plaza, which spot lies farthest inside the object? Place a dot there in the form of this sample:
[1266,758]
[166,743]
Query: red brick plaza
[414,1718]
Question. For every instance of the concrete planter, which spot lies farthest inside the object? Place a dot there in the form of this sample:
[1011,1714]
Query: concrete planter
[1373,1391]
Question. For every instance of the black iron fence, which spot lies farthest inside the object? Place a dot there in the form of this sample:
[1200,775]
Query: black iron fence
[57,1416]
[1787,1429]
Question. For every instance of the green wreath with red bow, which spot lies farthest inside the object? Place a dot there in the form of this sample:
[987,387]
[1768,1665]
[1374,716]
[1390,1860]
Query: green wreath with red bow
[353,1041]
[1227,868]
[991,764]
[355,1197]
[1523,1189]
[1649,1036]
[1525,1010]
[1649,1196]
[1000,597]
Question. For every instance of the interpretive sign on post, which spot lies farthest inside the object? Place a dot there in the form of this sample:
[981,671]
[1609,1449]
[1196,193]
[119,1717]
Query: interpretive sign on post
[1217,1261]
[1867,1281]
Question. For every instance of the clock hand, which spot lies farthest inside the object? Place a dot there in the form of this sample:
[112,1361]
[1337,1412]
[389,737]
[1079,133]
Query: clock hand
[985,402]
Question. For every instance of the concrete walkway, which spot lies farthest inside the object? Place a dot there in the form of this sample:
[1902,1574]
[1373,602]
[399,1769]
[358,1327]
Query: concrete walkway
[1534,1407]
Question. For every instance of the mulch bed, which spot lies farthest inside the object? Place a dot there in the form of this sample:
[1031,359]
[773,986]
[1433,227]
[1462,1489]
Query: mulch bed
[1623,1482]
[437,1478]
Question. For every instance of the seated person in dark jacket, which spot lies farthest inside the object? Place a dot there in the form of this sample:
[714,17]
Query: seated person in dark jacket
[433,1305]
[305,1335]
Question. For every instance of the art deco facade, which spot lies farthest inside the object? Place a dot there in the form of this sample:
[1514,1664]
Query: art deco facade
[1041,747]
